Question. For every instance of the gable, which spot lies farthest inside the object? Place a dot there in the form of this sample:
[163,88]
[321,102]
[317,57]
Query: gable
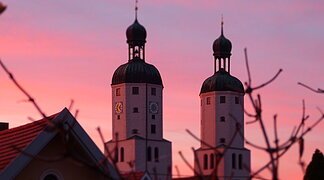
[42,142]
[13,140]
[65,159]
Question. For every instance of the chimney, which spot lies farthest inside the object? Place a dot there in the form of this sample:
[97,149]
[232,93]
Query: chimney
[4,126]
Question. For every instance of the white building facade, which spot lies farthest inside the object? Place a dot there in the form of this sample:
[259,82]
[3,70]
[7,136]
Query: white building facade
[137,119]
[222,152]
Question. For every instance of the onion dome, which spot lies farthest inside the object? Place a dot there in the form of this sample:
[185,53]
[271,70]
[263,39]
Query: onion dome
[136,34]
[136,71]
[222,46]
[222,81]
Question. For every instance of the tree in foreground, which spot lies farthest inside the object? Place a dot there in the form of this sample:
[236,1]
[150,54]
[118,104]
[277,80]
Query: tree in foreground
[315,169]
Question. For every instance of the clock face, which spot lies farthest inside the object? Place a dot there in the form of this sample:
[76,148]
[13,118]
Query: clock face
[154,108]
[119,107]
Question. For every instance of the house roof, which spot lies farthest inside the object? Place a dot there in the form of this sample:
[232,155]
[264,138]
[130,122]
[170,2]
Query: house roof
[13,140]
[18,146]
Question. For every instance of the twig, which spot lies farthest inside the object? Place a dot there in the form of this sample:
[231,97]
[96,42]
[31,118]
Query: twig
[71,105]
[187,163]
[318,90]
[30,98]
[178,171]
[247,66]
[269,81]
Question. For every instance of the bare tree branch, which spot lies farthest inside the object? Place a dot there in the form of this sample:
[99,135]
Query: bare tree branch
[318,90]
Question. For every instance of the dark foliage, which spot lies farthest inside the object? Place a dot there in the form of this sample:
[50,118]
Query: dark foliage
[315,169]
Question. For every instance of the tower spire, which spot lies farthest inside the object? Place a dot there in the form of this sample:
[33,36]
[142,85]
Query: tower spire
[222,24]
[136,8]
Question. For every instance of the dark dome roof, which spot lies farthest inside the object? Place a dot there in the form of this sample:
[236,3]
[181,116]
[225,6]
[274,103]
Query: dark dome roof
[136,71]
[222,47]
[222,81]
[136,34]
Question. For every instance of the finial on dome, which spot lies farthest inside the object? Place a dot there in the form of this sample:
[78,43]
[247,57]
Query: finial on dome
[222,46]
[136,8]
[222,24]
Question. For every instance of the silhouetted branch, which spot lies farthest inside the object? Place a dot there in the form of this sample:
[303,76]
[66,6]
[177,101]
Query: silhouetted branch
[177,170]
[109,156]
[71,105]
[30,98]
[276,150]
[269,81]
[76,113]
[187,163]
[247,67]
[318,90]
[2,8]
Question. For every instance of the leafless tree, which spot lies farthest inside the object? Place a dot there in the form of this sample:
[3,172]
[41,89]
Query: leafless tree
[275,148]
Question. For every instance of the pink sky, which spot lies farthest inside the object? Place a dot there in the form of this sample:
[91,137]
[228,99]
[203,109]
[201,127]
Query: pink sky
[62,50]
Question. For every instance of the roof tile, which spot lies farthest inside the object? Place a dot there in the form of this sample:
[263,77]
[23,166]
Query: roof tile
[13,140]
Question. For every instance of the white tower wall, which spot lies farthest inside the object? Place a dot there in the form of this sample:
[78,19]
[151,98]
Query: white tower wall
[221,118]
[222,152]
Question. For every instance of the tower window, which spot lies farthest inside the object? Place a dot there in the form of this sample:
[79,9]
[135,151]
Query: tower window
[237,100]
[153,91]
[222,118]
[222,140]
[135,90]
[135,131]
[212,159]
[222,99]
[156,154]
[116,154]
[208,100]
[205,161]
[233,161]
[136,51]
[135,110]
[149,154]
[153,116]
[240,160]
[153,129]
[122,154]
[118,116]
[118,92]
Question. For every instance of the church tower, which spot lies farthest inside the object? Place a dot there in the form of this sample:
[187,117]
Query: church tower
[137,113]
[222,120]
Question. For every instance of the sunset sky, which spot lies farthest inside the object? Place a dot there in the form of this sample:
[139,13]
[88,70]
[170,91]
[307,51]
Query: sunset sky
[62,50]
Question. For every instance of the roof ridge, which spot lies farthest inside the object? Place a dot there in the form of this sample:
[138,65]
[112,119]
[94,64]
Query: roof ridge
[40,121]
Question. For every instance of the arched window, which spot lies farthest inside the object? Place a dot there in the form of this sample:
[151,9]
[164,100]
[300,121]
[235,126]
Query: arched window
[240,161]
[122,154]
[149,154]
[208,100]
[50,177]
[118,92]
[234,161]
[51,174]
[156,154]
[212,161]
[116,154]
[237,100]
[222,99]
[205,161]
